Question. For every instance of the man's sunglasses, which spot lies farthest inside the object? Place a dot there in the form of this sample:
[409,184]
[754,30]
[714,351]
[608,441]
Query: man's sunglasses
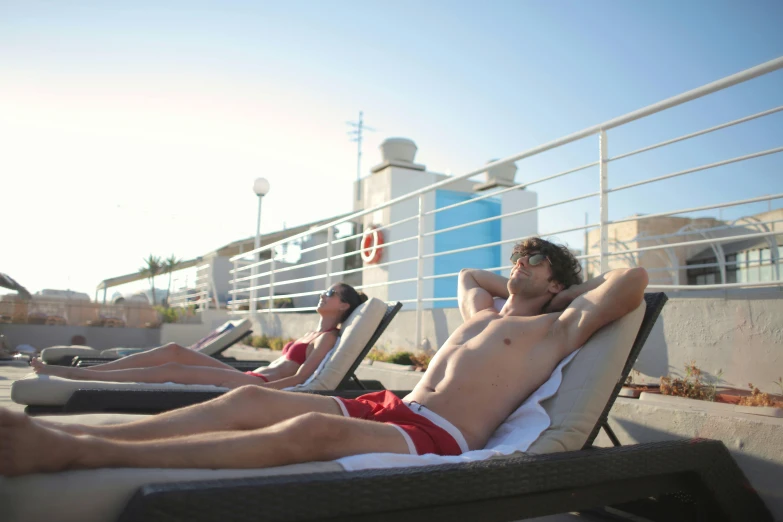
[532,260]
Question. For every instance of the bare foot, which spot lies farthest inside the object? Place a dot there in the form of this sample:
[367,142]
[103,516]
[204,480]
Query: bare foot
[48,369]
[28,447]
[37,364]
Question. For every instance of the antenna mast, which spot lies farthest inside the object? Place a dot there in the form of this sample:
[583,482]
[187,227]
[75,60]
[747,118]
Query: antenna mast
[356,135]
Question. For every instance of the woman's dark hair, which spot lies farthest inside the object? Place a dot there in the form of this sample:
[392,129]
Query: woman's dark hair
[565,267]
[348,294]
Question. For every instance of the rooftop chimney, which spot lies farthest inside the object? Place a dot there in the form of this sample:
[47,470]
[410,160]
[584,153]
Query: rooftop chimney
[499,176]
[398,152]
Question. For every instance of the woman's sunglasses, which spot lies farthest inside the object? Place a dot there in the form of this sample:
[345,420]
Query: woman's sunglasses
[532,260]
[330,293]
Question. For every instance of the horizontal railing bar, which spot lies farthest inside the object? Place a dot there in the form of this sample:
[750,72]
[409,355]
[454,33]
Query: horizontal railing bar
[514,187]
[386,283]
[697,169]
[699,133]
[718,286]
[723,239]
[440,276]
[278,283]
[758,263]
[509,214]
[673,101]
[513,240]
[250,266]
[390,243]
[437,299]
[696,209]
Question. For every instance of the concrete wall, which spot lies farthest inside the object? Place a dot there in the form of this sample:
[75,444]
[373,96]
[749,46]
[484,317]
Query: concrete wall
[43,336]
[740,333]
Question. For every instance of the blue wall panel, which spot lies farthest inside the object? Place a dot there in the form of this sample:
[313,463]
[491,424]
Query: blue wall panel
[488,257]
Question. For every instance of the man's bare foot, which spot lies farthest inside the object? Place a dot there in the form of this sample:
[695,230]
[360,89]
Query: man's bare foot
[48,369]
[28,447]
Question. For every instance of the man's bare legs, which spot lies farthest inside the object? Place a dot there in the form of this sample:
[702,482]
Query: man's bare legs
[29,447]
[246,408]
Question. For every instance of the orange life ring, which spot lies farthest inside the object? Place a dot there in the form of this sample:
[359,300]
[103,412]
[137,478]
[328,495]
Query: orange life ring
[372,240]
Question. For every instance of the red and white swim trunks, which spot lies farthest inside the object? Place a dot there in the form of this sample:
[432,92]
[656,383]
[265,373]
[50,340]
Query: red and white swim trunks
[424,430]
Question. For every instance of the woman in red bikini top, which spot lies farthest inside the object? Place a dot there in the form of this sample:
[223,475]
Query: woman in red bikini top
[174,363]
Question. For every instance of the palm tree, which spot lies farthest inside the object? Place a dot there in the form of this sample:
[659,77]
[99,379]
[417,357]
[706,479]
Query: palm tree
[153,268]
[169,264]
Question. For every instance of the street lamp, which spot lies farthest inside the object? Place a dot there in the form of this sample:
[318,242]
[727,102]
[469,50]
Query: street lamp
[261,188]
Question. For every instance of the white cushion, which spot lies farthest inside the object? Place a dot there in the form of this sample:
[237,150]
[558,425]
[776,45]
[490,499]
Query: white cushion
[48,390]
[100,495]
[54,353]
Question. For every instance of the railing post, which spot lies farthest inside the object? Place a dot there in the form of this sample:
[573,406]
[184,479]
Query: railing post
[253,283]
[234,288]
[271,282]
[329,239]
[419,271]
[603,155]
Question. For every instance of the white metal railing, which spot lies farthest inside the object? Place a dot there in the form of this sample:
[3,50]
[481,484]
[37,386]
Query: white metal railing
[259,282]
[199,294]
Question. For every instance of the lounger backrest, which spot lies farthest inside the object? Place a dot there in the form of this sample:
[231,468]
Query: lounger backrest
[354,336]
[222,337]
[588,380]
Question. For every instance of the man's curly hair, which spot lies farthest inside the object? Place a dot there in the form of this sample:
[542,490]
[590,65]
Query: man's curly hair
[565,268]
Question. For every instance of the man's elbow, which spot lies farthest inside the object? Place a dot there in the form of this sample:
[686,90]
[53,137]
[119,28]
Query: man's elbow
[636,280]
[639,276]
[466,274]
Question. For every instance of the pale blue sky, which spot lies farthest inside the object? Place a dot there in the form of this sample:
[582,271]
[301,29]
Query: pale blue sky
[138,128]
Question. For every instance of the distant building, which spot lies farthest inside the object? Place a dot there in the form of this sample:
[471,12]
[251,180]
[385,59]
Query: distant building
[61,294]
[745,260]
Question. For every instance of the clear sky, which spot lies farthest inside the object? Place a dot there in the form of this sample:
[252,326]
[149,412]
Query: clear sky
[130,128]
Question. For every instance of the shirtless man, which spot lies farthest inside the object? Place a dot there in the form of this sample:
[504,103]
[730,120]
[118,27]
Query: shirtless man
[484,371]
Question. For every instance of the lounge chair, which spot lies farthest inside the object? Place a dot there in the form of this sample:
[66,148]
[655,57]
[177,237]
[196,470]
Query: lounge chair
[214,343]
[47,394]
[560,472]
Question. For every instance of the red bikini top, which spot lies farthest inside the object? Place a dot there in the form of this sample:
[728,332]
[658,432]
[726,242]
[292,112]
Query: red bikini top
[297,350]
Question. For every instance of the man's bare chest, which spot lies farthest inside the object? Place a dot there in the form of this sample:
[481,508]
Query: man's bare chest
[489,330]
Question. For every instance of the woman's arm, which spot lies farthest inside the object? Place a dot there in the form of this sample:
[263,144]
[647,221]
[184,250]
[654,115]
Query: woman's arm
[321,348]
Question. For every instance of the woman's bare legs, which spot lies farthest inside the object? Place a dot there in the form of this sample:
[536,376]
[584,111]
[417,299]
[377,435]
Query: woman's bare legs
[169,372]
[30,448]
[167,353]
[246,408]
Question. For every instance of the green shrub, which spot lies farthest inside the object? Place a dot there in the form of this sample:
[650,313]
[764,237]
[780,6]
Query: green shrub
[168,315]
[259,341]
[277,343]
[401,358]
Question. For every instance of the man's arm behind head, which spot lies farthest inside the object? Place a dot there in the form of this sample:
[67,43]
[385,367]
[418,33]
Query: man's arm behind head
[476,290]
[610,296]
